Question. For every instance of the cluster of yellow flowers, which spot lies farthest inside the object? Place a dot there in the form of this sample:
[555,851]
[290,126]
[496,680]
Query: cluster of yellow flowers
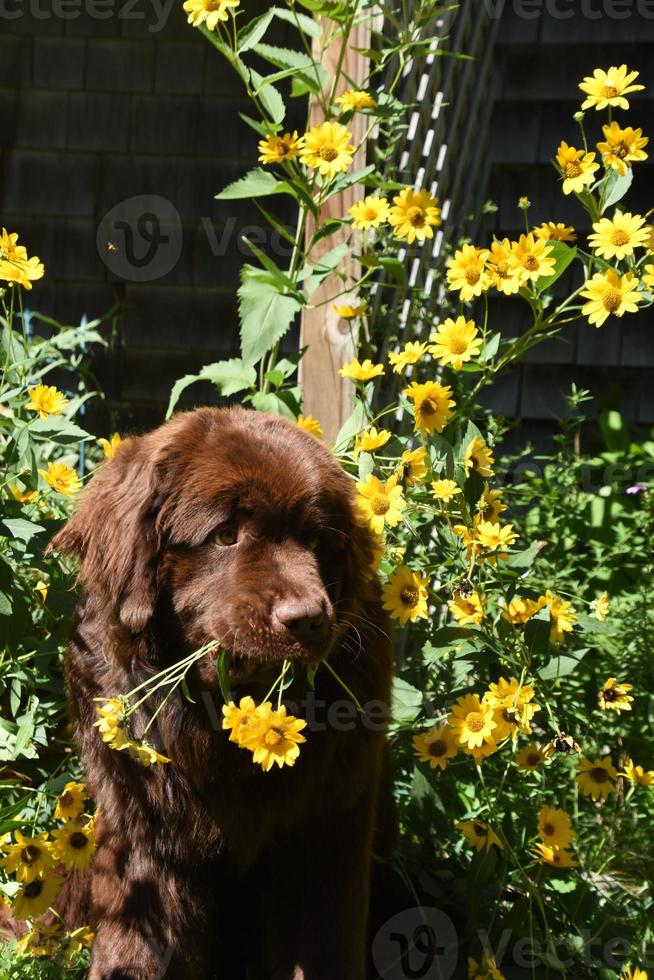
[15,266]
[272,736]
[37,862]
[113,726]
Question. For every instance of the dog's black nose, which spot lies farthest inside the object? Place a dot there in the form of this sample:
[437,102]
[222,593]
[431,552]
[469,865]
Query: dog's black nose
[306,622]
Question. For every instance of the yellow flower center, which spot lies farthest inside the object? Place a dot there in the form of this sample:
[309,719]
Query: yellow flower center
[502,269]
[598,774]
[620,151]
[610,92]
[473,275]
[458,346]
[78,840]
[610,694]
[410,596]
[572,169]
[380,504]
[370,214]
[475,721]
[416,217]
[34,889]
[327,153]
[212,4]
[531,263]
[438,748]
[619,237]
[30,854]
[612,299]
[273,737]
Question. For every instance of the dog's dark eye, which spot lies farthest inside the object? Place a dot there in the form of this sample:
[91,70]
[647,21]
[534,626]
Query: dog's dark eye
[225,535]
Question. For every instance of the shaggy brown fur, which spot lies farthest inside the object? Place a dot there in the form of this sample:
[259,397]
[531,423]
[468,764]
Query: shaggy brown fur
[209,867]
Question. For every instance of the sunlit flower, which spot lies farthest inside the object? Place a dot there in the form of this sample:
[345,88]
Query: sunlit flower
[432,406]
[556,857]
[513,705]
[577,166]
[355,101]
[62,478]
[638,774]
[531,258]
[370,440]
[414,215]
[46,400]
[555,231]
[600,607]
[70,802]
[327,149]
[495,537]
[10,249]
[596,779]
[633,973]
[455,342]
[490,506]
[501,272]
[371,212]
[274,738]
[405,595]
[413,466]
[481,752]
[310,425]
[521,610]
[445,489]
[144,753]
[23,496]
[467,273]
[35,897]
[554,827]
[40,941]
[648,279]
[478,457]
[74,844]
[365,371]
[479,834]
[622,147]
[208,12]
[380,503]
[237,718]
[349,312]
[485,969]
[277,149]
[617,237]
[466,609]
[472,720]
[22,272]
[29,857]
[109,446]
[615,696]
[610,294]
[562,616]
[436,746]
[112,722]
[412,353]
[530,758]
[608,88]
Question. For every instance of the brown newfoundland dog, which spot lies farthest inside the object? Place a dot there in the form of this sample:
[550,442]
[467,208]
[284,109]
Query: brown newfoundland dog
[235,526]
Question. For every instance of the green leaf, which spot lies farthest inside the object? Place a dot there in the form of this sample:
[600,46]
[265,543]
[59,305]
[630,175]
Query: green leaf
[229,376]
[280,277]
[59,430]
[562,664]
[251,33]
[615,186]
[256,183]
[614,431]
[222,670]
[265,316]
[269,97]
[20,529]
[301,21]
[537,633]
[343,181]
[5,605]
[523,559]
[406,702]
[423,793]
[366,465]
[271,402]
[350,427]
[563,255]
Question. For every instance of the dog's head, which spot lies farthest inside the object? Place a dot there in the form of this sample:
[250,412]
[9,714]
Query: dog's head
[239,523]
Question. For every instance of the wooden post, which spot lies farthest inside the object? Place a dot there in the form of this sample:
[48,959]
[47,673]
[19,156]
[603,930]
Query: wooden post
[327,336]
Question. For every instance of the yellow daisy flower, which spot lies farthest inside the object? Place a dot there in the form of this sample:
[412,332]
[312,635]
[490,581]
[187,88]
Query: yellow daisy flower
[371,212]
[608,88]
[411,354]
[278,149]
[481,752]
[562,616]
[112,722]
[74,844]
[70,802]
[142,752]
[10,249]
[485,969]
[355,101]
[495,537]
[23,496]
[622,147]
[28,857]
[414,215]
[348,312]
[46,400]
[237,719]
[479,834]
[472,720]
[648,277]
[365,371]
[555,231]
[556,857]
[327,149]
[41,941]
[467,272]
[520,611]
[513,705]
[490,506]
[412,468]
[596,779]
[432,406]
[478,457]
[310,425]
[370,440]
[62,478]
[274,738]
[530,758]
[109,446]
[501,272]
[617,237]
[405,595]
[610,294]
[445,489]
[466,609]
[578,168]
[634,973]
[531,258]
[638,774]
[208,12]
[35,897]
[380,503]
[23,272]
[555,828]
[436,746]
[455,342]
[615,696]
[600,607]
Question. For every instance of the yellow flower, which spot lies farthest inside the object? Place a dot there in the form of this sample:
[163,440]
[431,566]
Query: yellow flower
[467,273]
[530,758]
[608,293]
[112,722]
[596,778]
[472,720]
[42,589]
[479,834]
[466,608]
[278,149]
[562,616]
[615,697]
[414,215]
[411,354]
[412,468]
[502,273]
[348,312]
[371,212]
[495,537]
[70,802]
[370,440]
[555,856]
[513,705]
[555,231]
[578,168]
[143,753]
[478,457]
[622,147]
[29,857]
[274,737]
[436,746]
[490,506]
[617,237]
[432,406]
[23,496]
[208,12]
[237,719]
[361,372]
[10,249]
[486,969]
[46,400]
[74,844]
[480,752]
[62,479]
[600,607]
[531,258]
[327,149]
[445,489]
[109,446]
[40,941]
[405,595]
[608,88]
[634,973]
[310,425]
[521,610]
[354,100]
[455,341]
[19,269]
[637,774]
[35,897]
[380,503]
[648,278]
[555,828]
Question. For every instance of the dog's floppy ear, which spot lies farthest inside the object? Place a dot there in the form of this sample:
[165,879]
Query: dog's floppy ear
[113,532]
